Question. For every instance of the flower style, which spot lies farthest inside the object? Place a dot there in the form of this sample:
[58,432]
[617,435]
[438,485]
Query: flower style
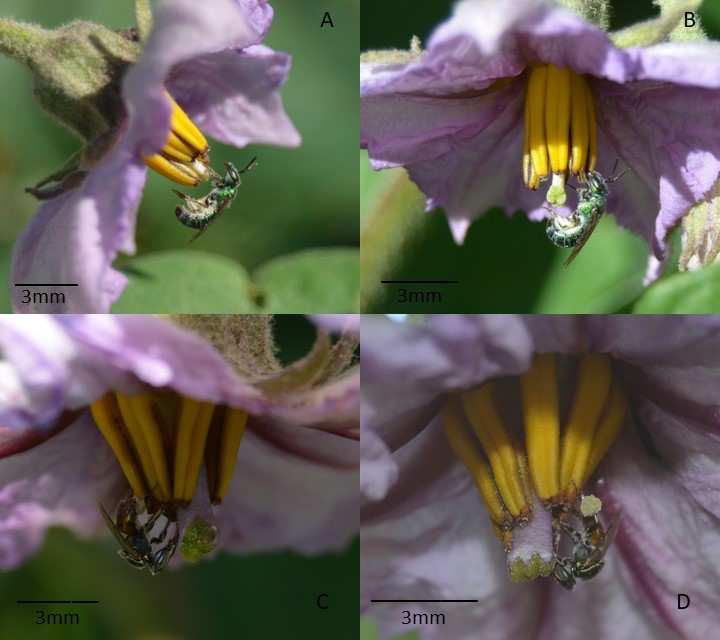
[201,67]
[122,410]
[510,95]
[480,427]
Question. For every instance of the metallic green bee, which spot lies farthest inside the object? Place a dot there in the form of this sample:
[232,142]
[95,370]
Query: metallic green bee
[201,213]
[574,230]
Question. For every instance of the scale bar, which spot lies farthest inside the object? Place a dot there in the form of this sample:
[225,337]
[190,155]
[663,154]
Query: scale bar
[46,284]
[424,601]
[57,601]
[420,281]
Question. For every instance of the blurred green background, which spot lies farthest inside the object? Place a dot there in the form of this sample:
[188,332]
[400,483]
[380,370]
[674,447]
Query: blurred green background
[506,264]
[297,199]
[259,596]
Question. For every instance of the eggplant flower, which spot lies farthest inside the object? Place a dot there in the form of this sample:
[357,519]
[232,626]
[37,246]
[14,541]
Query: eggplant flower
[509,101]
[126,411]
[138,99]
[501,455]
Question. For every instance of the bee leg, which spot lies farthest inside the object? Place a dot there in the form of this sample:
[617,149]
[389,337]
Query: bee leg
[181,195]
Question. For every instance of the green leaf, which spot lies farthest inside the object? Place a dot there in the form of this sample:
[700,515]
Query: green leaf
[312,281]
[688,292]
[605,277]
[185,282]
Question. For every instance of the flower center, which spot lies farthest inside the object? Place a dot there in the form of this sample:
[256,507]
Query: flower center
[521,486]
[160,442]
[184,158]
[560,129]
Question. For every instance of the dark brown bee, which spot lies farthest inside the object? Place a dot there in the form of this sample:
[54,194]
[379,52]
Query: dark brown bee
[133,528]
[590,542]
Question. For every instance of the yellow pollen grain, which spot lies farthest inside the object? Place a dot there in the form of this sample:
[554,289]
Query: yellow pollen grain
[591,392]
[461,443]
[535,119]
[542,424]
[105,413]
[141,448]
[197,448]
[233,430]
[141,407]
[488,427]
[557,118]
[189,410]
[606,432]
[580,124]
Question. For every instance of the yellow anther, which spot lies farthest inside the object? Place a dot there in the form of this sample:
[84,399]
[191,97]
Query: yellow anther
[184,158]
[500,451]
[232,432]
[606,432]
[461,443]
[535,119]
[182,173]
[580,125]
[140,445]
[106,415]
[197,448]
[186,129]
[189,410]
[542,424]
[557,118]
[591,392]
[141,407]
[560,128]
[176,149]
[592,152]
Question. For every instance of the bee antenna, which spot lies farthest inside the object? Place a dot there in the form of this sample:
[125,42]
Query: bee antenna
[250,165]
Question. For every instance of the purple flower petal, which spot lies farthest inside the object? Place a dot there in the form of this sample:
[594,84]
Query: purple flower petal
[669,525]
[183,30]
[233,95]
[78,358]
[74,238]
[280,500]
[338,323]
[58,482]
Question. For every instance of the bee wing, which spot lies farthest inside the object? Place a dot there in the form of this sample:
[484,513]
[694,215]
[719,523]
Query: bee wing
[611,531]
[113,527]
[582,241]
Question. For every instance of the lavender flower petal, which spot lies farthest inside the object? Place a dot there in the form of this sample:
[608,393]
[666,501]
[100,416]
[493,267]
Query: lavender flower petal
[234,95]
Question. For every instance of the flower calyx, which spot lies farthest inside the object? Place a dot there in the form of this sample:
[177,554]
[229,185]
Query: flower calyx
[76,70]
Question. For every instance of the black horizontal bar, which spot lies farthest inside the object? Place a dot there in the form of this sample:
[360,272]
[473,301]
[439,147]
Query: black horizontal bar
[58,601]
[420,281]
[424,601]
[46,284]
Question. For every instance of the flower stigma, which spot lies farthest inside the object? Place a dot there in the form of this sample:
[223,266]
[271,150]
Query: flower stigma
[560,129]
[531,478]
[185,157]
